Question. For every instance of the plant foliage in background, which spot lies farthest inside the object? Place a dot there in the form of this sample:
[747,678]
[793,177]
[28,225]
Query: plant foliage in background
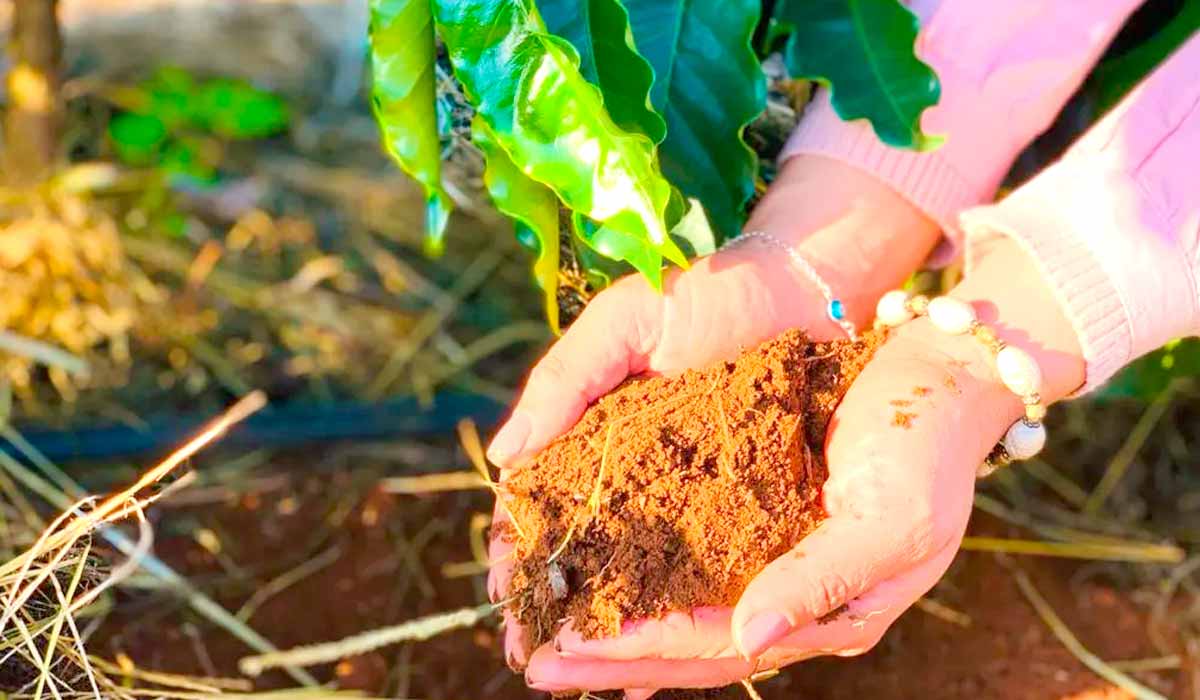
[621,121]
[177,123]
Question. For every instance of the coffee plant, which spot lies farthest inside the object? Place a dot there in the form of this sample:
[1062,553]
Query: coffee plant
[620,123]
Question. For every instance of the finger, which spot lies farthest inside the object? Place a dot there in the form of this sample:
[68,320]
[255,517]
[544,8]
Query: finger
[639,693]
[611,340]
[855,631]
[551,672]
[702,633]
[500,549]
[898,491]
[514,642]
[500,554]
[706,632]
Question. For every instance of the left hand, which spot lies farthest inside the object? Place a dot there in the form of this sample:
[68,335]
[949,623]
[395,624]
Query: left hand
[902,452]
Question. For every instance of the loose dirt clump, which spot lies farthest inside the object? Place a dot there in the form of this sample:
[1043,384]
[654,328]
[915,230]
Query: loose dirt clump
[672,493]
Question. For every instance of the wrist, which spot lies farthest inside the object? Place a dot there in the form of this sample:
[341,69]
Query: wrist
[1008,296]
[861,237]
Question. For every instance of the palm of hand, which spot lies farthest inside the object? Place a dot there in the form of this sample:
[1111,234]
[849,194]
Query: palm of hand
[898,496]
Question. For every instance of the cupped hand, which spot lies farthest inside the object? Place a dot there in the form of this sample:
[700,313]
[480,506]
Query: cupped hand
[861,237]
[902,452]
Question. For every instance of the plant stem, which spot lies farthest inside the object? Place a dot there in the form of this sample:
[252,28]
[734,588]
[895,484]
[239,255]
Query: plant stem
[31,127]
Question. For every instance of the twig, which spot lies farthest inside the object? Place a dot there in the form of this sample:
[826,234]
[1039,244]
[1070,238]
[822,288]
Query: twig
[434,483]
[286,580]
[1073,645]
[466,283]
[1066,489]
[1168,554]
[1158,663]
[997,509]
[1133,444]
[943,612]
[468,436]
[413,630]
[750,689]
[44,353]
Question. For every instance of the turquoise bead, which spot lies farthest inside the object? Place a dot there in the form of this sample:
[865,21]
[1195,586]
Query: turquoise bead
[837,310]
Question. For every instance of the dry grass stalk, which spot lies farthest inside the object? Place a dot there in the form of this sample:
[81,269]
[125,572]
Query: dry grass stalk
[411,631]
[1073,645]
[1107,551]
[53,580]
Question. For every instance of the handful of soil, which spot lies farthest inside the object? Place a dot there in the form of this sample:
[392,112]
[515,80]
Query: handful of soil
[673,493]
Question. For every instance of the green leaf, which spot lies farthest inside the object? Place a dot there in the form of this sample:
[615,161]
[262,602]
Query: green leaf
[532,206]
[693,233]
[137,138]
[526,84]
[1113,78]
[862,50]
[403,57]
[599,31]
[236,109]
[708,85]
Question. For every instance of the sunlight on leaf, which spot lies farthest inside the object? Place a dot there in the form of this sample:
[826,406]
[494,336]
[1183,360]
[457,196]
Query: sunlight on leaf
[526,84]
[403,95]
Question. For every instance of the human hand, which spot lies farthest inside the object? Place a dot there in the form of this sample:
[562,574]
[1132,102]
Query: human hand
[902,452]
[860,235]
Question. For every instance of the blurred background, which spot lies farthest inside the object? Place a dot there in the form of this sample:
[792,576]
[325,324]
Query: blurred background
[209,213]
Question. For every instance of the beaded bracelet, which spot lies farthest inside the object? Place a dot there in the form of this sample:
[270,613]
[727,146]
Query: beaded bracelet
[1017,368]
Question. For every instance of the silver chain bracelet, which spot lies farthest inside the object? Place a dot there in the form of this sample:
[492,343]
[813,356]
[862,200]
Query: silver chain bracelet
[835,309]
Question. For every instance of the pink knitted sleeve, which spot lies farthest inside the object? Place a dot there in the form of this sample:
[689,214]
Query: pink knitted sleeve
[1115,225]
[1006,69]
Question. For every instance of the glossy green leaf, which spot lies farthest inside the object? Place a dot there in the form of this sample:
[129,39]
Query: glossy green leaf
[526,84]
[1113,78]
[708,85]
[403,57]
[599,31]
[532,206]
[694,233]
[862,50]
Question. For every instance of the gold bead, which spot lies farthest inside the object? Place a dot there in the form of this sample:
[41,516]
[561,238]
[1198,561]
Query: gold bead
[1035,413]
[918,304]
[986,335]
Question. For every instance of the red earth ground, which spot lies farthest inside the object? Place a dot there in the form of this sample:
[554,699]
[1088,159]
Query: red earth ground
[388,568]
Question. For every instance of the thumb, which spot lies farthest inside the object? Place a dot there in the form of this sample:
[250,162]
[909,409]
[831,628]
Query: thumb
[611,340]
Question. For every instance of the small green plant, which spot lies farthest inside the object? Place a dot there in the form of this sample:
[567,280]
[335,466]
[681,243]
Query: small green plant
[178,124]
[613,119]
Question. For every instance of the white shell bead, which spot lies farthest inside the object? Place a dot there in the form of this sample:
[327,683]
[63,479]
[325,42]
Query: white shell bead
[1024,440]
[951,315]
[1019,372]
[892,309]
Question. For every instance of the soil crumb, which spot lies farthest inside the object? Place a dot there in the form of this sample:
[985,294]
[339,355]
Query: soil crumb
[672,493]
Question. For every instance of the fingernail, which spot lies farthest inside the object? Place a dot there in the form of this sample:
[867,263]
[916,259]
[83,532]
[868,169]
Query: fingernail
[762,631]
[548,687]
[511,439]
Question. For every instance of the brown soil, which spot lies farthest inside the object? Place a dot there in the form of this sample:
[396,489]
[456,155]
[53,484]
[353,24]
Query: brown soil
[672,493]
